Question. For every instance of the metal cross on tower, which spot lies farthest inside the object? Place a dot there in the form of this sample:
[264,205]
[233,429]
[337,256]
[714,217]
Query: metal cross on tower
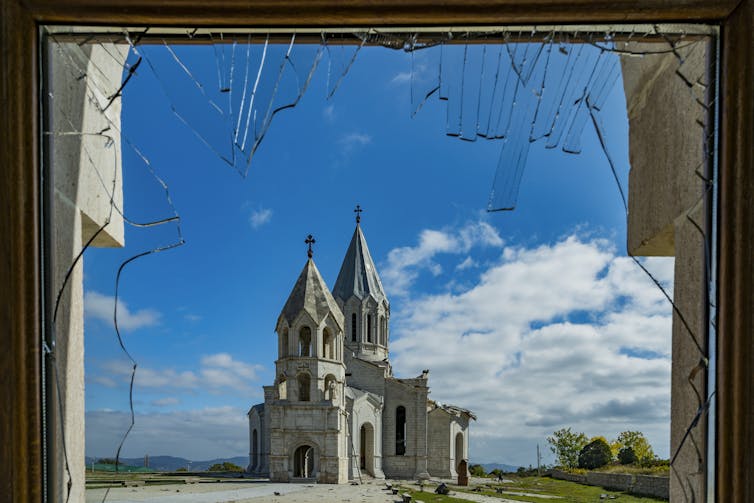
[310,241]
[358,211]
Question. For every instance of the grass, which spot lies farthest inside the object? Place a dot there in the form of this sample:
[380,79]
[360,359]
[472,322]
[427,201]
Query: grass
[569,492]
[662,470]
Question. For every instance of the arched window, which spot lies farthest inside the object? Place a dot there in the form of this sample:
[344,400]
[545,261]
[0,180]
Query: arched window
[283,348]
[369,328]
[282,388]
[400,430]
[327,344]
[254,449]
[353,327]
[305,341]
[459,448]
[303,387]
[330,387]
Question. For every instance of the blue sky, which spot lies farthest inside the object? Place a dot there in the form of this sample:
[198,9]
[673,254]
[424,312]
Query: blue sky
[533,318]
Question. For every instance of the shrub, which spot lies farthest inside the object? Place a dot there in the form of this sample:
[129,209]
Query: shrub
[627,456]
[595,454]
[477,471]
[224,467]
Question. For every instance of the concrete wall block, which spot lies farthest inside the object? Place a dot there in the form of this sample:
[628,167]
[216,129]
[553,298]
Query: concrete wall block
[665,144]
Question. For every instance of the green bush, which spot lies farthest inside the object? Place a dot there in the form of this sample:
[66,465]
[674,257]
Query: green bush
[224,467]
[627,456]
[595,454]
[477,471]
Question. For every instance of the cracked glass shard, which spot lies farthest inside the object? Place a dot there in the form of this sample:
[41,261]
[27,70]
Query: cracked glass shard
[340,59]
[228,92]
[523,56]
[425,75]
[604,76]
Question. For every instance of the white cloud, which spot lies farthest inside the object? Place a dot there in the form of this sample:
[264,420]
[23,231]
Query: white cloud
[467,263]
[351,141]
[164,402]
[260,217]
[401,78]
[217,373]
[405,263]
[194,434]
[101,307]
[329,113]
[568,334]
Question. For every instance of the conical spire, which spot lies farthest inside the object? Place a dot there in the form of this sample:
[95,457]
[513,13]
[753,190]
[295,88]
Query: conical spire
[358,275]
[310,294]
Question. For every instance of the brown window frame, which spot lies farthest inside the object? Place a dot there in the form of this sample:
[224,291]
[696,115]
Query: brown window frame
[22,192]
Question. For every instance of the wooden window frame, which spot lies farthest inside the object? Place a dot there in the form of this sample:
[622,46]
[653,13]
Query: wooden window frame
[22,190]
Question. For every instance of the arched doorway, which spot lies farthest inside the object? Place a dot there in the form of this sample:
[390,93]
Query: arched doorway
[303,462]
[459,451]
[366,448]
[254,450]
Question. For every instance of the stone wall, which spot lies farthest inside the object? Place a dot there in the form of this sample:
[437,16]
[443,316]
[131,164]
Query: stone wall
[87,174]
[410,394]
[643,485]
[666,148]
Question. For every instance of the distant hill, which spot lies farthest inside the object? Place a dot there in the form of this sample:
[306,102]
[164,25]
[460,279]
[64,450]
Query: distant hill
[172,463]
[488,467]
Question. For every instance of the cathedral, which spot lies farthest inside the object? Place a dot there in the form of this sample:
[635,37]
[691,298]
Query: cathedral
[336,412]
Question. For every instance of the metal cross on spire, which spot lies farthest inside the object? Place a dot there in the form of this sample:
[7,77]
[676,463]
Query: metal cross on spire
[310,241]
[358,211]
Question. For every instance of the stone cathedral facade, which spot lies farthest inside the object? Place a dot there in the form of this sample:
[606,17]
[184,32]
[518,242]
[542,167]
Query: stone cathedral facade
[336,411]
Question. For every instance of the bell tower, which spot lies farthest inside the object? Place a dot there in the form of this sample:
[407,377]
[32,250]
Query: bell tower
[361,297]
[310,341]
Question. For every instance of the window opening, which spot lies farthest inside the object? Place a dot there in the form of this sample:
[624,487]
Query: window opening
[557,118]
[304,341]
[304,385]
[353,327]
[400,430]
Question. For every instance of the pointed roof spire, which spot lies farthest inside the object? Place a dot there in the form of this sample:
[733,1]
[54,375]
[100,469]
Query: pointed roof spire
[358,274]
[310,294]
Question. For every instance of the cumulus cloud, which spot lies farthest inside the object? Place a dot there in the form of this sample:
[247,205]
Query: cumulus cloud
[194,434]
[101,307]
[558,335]
[404,264]
[260,217]
[217,373]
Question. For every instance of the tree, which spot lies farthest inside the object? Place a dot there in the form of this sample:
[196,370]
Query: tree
[595,454]
[497,473]
[639,443]
[627,456]
[477,470]
[182,469]
[224,467]
[566,446]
